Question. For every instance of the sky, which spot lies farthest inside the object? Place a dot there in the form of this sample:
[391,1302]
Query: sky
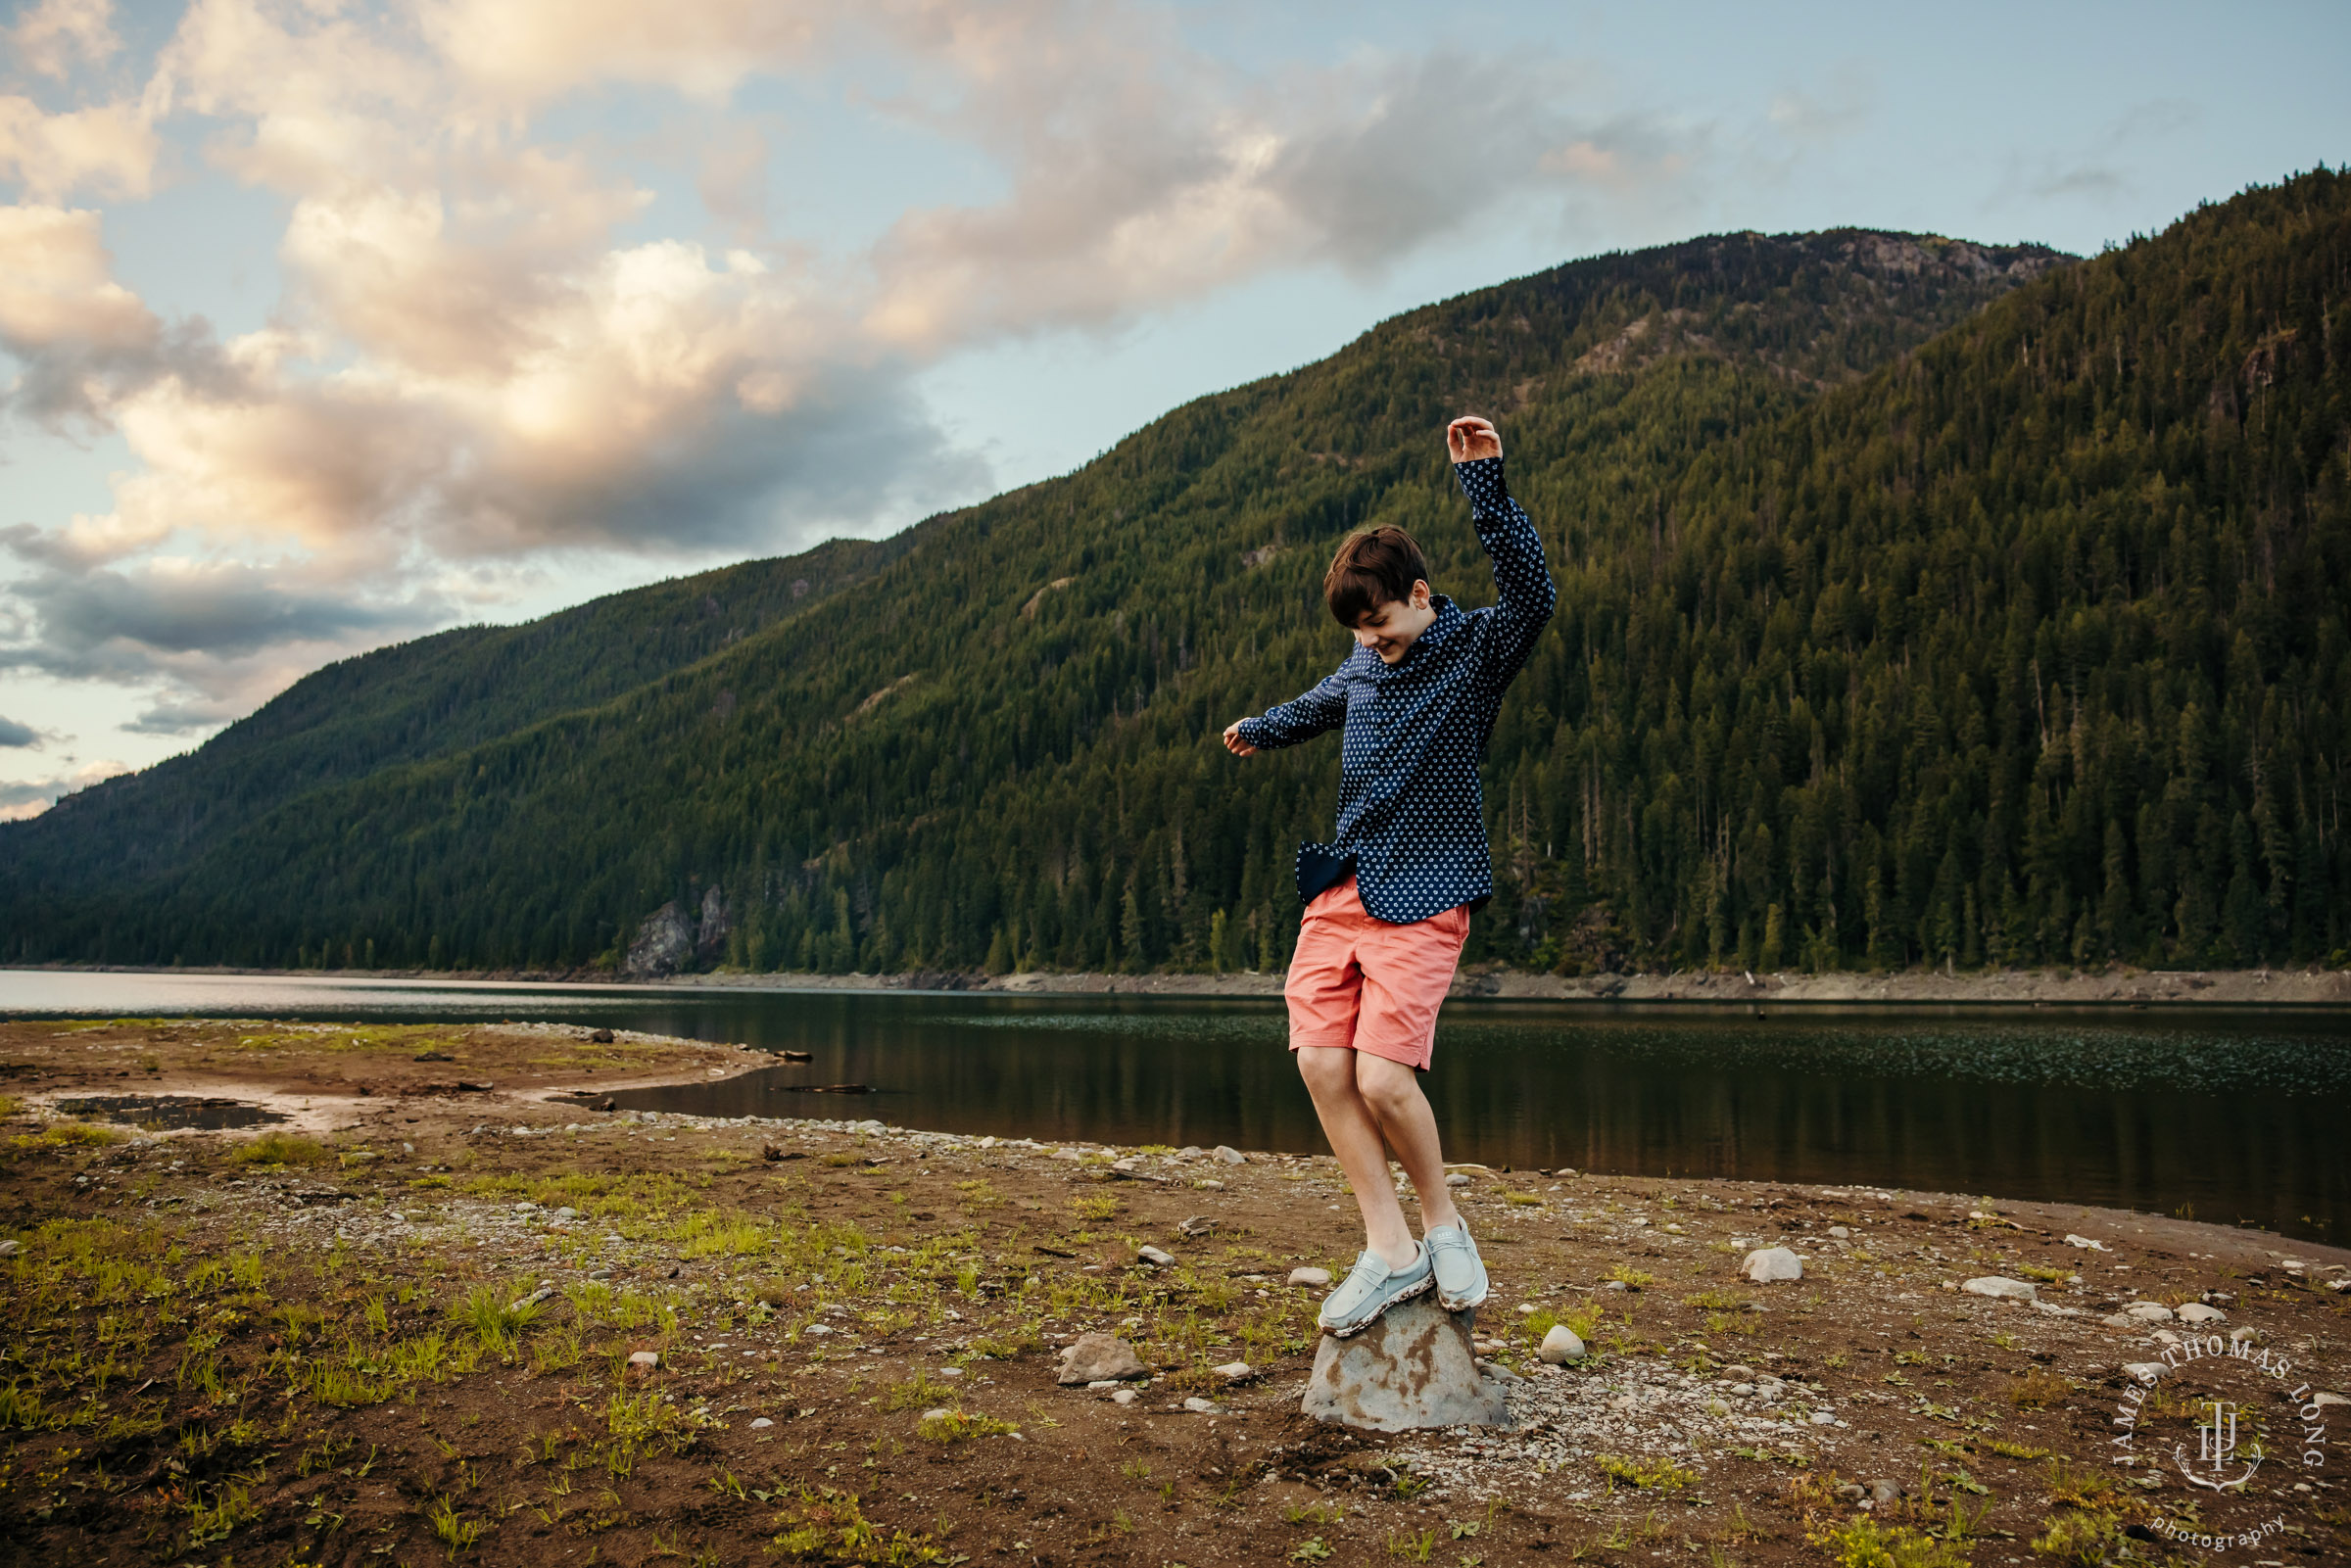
[325,325]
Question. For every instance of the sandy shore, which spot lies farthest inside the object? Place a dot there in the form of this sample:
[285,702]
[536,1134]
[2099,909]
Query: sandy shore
[400,1326]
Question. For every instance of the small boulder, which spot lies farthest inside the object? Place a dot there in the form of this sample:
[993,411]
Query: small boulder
[2148,1312]
[2084,1242]
[1311,1278]
[1411,1369]
[760,1422]
[1769,1264]
[2001,1288]
[1196,1227]
[643,1363]
[2198,1312]
[1200,1407]
[1100,1357]
[1153,1257]
[1124,1397]
[2144,1371]
[1234,1372]
[1560,1346]
[1230,1155]
[1882,1493]
[1459,1178]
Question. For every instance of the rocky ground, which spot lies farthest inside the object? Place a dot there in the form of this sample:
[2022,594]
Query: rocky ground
[445,1312]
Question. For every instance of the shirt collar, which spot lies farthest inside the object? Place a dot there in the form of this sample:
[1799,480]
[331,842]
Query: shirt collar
[1449,620]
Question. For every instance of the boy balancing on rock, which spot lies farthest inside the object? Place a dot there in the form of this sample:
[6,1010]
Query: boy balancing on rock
[1388,901]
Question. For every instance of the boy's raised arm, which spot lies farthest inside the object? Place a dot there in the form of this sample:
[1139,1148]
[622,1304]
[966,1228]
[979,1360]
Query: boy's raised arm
[1302,719]
[1522,577]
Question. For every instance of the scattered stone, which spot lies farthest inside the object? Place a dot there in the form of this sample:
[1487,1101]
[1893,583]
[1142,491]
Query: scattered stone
[8,1249]
[1211,1184]
[641,1361]
[1234,1372]
[525,1304]
[760,1421]
[2085,1242]
[2198,1312]
[940,1414]
[1230,1155]
[1097,1356]
[2147,1313]
[1499,1372]
[1852,1492]
[1457,1179]
[2144,1371]
[1153,1257]
[1200,1407]
[1196,1227]
[1124,1397]
[816,1331]
[1311,1278]
[602,1036]
[1560,1346]
[950,1372]
[1412,1368]
[1840,1232]
[1768,1265]
[1882,1493]
[2001,1288]
[1824,1418]
[2328,1398]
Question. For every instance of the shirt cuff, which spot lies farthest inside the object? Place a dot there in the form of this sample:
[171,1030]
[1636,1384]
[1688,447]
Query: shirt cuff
[1247,729]
[1481,482]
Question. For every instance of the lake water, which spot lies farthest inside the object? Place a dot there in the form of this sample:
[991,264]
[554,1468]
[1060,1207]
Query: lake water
[2234,1116]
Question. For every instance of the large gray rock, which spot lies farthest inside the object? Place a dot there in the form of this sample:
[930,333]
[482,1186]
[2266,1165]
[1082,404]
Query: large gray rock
[1767,1266]
[1413,1368]
[2001,1288]
[1100,1357]
[663,943]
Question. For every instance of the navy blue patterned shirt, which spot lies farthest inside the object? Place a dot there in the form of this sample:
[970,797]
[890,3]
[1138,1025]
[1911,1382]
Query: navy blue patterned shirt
[1410,812]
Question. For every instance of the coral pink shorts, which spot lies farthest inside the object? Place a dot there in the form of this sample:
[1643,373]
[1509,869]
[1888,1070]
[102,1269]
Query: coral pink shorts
[1362,984]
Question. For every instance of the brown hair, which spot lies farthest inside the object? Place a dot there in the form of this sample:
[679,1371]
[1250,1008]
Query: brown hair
[1378,566]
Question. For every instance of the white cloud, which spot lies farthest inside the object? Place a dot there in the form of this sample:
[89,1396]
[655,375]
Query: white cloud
[107,148]
[51,37]
[21,799]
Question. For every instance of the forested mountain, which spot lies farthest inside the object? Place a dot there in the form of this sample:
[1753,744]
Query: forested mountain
[1919,602]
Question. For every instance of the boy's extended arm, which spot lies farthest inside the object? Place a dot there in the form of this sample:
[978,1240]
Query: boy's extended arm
[1520,574]
[1323,708]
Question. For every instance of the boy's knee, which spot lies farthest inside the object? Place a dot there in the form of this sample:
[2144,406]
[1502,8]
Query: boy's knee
[1326,1069]
[1387,1085]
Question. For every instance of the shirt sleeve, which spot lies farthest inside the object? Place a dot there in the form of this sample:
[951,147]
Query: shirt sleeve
[1323,708]
[1522,577]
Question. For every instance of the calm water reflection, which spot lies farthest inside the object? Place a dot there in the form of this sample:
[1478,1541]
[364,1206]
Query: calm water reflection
[2238,1114]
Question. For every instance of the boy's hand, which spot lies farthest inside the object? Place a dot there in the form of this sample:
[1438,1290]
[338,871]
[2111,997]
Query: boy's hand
[1470,438]
[1234,743]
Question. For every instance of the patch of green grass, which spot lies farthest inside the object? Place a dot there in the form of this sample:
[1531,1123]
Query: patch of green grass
[958,1426]
[231,1505]
[10,1105]
[1865,1544]
[1629,1277]
[452,1530]
[821,1524]
[1096,1206]
[274,1148]
[921,1389]
[496,1317]
[72,1136]
[2015,1451]
[1644,1475]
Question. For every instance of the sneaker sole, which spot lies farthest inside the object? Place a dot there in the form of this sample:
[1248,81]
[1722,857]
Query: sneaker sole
[1462,1305]
[1350,1332]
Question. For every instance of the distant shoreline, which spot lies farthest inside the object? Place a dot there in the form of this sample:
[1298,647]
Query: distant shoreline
[2042,988]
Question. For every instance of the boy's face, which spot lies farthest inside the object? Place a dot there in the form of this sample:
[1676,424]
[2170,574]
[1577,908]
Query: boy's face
[1391,628]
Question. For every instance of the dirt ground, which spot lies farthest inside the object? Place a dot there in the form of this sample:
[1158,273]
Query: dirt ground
[398,1327]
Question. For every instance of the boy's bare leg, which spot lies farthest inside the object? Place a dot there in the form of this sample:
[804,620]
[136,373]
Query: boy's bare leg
[1330,1074]
[1392,1091]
